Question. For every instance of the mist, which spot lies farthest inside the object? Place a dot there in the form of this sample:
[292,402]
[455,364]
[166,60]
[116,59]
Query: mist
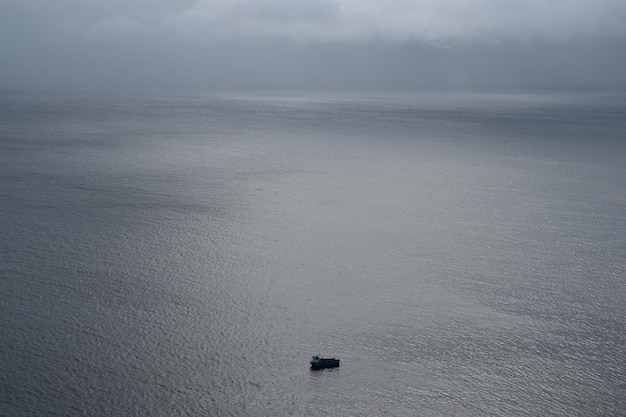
[323,44]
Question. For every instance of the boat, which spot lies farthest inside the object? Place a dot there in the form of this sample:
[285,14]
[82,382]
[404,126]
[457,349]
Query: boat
[317,362]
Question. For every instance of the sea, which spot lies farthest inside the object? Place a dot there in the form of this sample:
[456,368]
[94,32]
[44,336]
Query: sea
[185,254]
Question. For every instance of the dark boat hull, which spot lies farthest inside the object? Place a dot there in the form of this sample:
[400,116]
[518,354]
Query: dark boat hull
[325,363]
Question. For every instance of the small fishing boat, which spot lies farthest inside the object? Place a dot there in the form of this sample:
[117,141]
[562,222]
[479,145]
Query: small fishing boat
[317,362]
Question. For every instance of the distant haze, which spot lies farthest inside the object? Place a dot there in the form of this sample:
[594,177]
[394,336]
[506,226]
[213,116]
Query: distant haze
[312,44]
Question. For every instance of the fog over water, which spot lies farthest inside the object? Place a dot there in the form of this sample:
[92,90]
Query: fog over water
[307,44]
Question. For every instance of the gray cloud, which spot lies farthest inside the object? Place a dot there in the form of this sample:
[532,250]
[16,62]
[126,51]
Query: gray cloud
[311,43]
[330,20]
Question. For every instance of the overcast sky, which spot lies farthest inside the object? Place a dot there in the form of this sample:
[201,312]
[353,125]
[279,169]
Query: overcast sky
[312,44]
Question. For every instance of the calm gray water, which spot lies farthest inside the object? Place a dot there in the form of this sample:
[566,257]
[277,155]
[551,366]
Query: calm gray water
[186,255]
